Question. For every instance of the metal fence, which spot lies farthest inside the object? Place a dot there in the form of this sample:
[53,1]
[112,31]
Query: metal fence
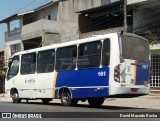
[155,66]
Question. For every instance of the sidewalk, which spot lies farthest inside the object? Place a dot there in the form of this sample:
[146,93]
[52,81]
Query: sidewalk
[2,95]
[148,101]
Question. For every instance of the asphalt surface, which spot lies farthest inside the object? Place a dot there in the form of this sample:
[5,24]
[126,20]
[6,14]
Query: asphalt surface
[80,108]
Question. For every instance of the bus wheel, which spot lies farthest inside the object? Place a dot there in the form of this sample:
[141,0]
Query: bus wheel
[46,101]
[15,98]
[96,102]
[66,99]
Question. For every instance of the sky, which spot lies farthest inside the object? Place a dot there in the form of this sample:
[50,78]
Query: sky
[10,7]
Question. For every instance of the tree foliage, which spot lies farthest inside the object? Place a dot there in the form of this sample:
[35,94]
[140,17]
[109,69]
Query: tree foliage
[153,37]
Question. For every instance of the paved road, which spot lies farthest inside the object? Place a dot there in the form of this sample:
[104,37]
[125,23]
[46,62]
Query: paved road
[56,107]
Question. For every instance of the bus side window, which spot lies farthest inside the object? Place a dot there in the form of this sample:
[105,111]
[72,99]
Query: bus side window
[28,64]
[66,58]
[45,61]
[106,52]
[14,68]
[89,55]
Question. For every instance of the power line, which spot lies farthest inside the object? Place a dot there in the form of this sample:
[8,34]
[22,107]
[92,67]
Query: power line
[25,7]
[47,1]
[122,19]
[22,9]
[149,14]
[69,31]
[135,26]
[90,22]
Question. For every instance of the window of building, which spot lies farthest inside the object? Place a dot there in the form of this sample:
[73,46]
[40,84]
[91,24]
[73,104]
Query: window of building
[15,48]
[106,53]
[1,57]
[66,58]
[28,65]
[14,68]
[89,55]
[45,61]
[48,17]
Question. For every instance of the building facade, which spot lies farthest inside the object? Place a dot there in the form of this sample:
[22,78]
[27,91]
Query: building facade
[146,23]
[2,73]
[104,19]
[67,20]
[12,39]
[54,22]
[142,19]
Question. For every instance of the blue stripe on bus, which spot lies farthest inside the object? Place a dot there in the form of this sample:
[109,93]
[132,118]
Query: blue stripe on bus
[85,78]
[142,72]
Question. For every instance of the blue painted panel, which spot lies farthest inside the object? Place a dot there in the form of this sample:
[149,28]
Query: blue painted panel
[90,92]
[84,78]
[142,74]
[56,94]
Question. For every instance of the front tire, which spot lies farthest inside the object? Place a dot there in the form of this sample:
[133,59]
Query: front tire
[66,99]
[15,98]
[96,102]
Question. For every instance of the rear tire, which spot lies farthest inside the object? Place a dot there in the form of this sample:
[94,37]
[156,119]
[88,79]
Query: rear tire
[66,99]
[96,102]
[15,98]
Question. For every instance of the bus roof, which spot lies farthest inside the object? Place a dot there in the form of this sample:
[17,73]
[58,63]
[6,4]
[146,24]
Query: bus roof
[74,42]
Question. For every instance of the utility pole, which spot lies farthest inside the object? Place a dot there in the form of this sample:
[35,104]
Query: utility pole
[125,15]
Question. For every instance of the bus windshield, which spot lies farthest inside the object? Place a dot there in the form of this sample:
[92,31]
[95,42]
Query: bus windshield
[135,48]
[13,67]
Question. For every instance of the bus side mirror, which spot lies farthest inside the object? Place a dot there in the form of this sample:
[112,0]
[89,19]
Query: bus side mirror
[9,63]
[5,68]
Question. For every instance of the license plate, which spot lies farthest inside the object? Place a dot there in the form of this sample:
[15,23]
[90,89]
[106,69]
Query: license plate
[134,89]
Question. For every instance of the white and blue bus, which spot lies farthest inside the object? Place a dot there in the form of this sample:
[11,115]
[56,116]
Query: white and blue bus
[87,69]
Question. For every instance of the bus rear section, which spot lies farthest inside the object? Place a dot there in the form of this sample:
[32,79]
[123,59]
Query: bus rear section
[132,75]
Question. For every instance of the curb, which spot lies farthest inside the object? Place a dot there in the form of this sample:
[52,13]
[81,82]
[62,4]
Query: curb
[137,102]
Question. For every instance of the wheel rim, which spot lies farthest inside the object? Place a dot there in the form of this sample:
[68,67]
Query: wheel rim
[15,96]
[65,97]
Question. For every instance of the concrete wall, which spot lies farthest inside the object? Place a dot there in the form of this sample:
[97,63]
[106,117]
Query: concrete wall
[51,26]
[51,10]
[47,29]
[51,38]
[32,30]
[51,32]
[7,49]
[90,34]
[13,35]
[155,49]
[129,2]
[68,18]
[64,24]
[67,9]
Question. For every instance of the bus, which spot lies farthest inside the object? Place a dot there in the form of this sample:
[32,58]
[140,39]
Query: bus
[89,69]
